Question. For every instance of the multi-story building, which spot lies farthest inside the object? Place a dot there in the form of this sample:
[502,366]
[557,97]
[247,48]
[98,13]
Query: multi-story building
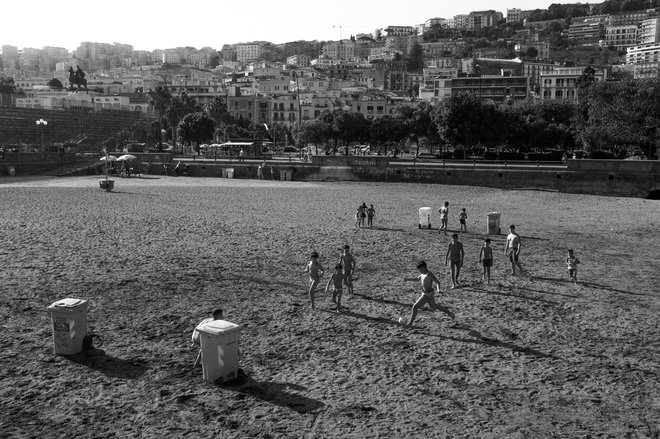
[632,17]
[533,71]
[284,110]
[371,106]
[542,49]
[587,29]
[444,49]
[481,19]
[499,89]
[248,52]
[643,54]
[400,31]
[251,107]
[344,50]
[649,31]
[515,15]
[562,82]
[622,36]
[299,60]
[646,70]
[461,21]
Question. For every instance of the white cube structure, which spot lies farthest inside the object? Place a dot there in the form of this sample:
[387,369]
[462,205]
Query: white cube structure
[219,341]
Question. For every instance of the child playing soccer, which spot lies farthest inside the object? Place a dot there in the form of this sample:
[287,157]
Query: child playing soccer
[348,262]
[572,263]
[336,281]
[462,217]
[427,279]
[486,259]
[455,254]
[315,271]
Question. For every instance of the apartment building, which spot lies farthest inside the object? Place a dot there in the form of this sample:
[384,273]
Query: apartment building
[587,29]
[498,89]
[649,31]
[461,21]
[643,54]
[371,106]
[400,31]
[444,49]
[515,15]
[481,19]
[344,50]
[299,60]
[622,36]
[542,49]
[562,82]
[284,110]
[248,52]
[646,70]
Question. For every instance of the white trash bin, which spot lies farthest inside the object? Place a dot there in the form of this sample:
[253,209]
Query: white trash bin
[425,217]
[230,173]
[493,224]
[69,325]
[219,342]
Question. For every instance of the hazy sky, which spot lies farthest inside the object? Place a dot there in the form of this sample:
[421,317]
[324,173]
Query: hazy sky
[149,25]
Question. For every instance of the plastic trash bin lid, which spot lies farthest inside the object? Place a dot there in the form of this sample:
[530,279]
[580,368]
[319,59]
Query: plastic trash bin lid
[67,304]
[218,327]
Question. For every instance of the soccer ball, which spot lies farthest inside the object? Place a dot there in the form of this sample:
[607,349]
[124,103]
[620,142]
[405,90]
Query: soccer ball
[402,321]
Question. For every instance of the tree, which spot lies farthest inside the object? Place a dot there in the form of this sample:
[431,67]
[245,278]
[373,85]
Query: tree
[459,120]
[415,58]
[7,88]
[160,98]
[55,83]
[387,131]
[196,127]
[178,107]
[311,131]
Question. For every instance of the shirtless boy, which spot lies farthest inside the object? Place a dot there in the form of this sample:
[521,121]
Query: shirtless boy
[315,271]
[455,255]
[427,280]
[336,281]
[444,214]
[512,249]
[348,262]
[486,259]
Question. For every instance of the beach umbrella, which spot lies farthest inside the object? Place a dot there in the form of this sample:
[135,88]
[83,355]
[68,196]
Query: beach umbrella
[126,157]
[109,158]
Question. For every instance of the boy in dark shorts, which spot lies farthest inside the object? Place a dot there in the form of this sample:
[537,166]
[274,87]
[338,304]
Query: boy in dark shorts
[455,255]
[486,259]
[348,262]
[427,281]
[462,217]
[572,263]
[336,280]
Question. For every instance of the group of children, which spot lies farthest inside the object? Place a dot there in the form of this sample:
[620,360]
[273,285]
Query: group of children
[444,218]
[365,213]
[343,275]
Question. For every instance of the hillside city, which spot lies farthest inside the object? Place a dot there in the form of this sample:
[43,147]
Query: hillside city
[522,55]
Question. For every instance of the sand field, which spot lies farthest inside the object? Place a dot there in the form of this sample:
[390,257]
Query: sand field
[529,356]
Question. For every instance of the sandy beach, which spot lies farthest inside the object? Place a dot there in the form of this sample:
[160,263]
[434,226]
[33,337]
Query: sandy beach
[529,356]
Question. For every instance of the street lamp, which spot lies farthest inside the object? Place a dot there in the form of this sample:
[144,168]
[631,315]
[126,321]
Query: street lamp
[42,123]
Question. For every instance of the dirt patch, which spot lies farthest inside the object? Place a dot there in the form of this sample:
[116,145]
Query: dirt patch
[529,356]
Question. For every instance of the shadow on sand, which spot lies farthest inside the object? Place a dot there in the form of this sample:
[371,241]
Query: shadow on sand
[588,284]
[275,393]
[110,366]
[477,338]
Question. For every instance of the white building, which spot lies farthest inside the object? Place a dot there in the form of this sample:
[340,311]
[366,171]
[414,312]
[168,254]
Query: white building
[562,82]
[649,31]
[644,53]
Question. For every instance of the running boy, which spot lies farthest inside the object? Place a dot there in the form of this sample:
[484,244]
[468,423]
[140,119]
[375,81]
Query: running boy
[336,281]
[572,263]
[486,259]
[462,217]
[370,215]
[444,213]
[427,279]
[315,271]
[348,262]
[455,254]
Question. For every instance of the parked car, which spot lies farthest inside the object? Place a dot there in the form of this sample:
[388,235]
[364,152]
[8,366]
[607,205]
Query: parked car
[290,149]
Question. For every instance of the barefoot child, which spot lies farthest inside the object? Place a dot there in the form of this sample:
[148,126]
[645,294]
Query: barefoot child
[370,215]
[486,259]
[455,254]
[444,214]
[427,279]
[462,217]
[572,263]
[315,271]
[348,262]
[336,280]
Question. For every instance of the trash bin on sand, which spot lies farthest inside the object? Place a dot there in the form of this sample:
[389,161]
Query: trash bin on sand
[493,224]
[69,325]
[219,342]
[425,217]
[230,173]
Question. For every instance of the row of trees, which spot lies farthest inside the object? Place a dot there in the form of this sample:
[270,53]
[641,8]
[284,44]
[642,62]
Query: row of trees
[619,117]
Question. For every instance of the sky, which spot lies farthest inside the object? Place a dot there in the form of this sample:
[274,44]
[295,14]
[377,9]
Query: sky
[149,25]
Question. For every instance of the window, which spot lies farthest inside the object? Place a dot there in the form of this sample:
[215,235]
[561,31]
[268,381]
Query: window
[370,109]
[379,109]
[559,94]
[546,94]
[560,82]
[250,104]
[547,82]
